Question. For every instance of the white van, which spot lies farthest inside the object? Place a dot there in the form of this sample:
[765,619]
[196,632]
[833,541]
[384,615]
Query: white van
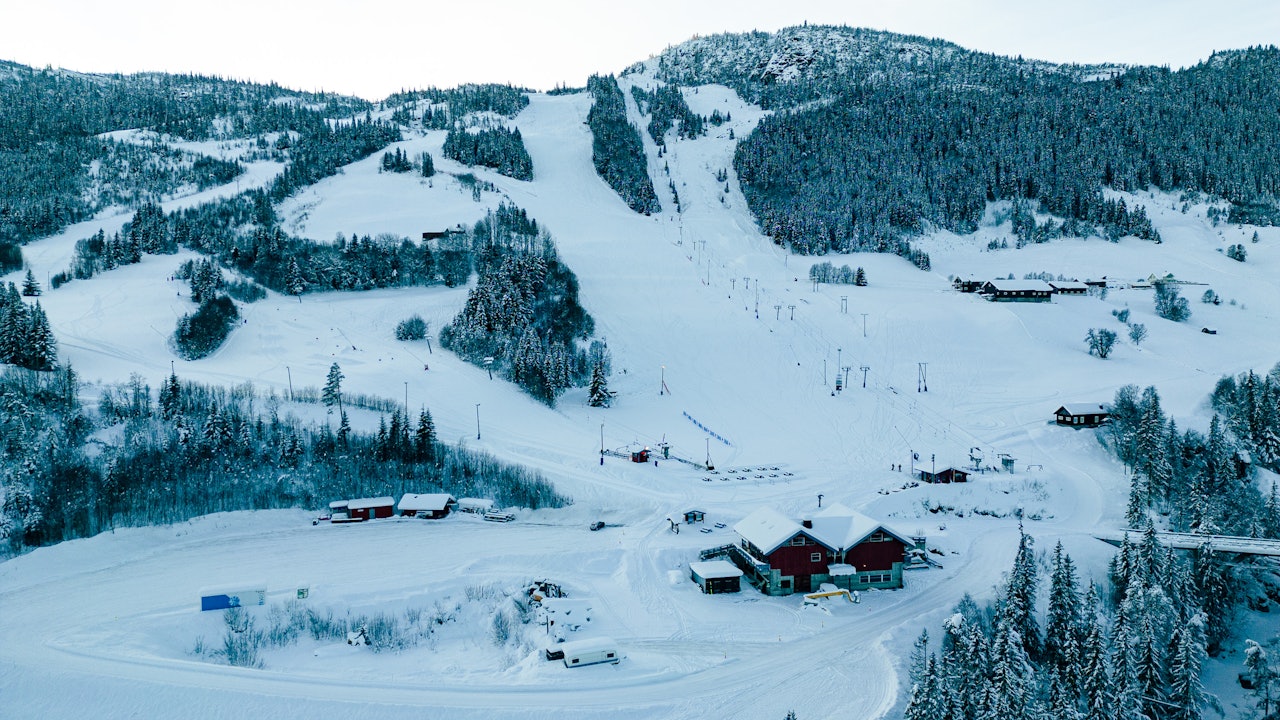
[592,651]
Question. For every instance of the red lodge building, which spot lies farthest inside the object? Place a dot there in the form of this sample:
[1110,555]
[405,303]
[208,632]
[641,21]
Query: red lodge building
[835,545]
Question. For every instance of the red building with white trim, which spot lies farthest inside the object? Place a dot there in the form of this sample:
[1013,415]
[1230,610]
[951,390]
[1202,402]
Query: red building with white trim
[836,545]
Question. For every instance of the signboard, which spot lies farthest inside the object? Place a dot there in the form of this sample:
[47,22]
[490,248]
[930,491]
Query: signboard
[232,598]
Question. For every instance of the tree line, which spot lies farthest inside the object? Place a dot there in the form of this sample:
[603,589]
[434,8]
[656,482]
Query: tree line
[497,148]
[191,449]
[1131,649]
[616,148]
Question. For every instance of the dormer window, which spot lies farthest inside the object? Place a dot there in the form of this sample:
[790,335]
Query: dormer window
[878,537]
[798,540]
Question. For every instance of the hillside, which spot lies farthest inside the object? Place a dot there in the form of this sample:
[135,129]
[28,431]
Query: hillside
[684,302]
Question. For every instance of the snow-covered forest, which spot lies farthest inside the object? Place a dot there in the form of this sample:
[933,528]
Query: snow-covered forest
[724,278]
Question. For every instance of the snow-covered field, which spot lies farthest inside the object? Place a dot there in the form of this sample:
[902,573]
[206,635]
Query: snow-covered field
[706,319]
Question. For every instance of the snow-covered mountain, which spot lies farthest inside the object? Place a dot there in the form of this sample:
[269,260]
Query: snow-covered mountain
[722,349]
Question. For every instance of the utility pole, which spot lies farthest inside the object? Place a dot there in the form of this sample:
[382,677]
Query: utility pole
[864,370]
[793,311]
[844,304]
[601,443]
[824,372]
[838,365]
[757,298]
[662,383]
[406,401]
[777,312]
[819,499]
[290,374]
[477,421]
[864,324]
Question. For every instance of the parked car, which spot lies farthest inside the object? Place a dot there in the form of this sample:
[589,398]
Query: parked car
[597,525]
[1209,331]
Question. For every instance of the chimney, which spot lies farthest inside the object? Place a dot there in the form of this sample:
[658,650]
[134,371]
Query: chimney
[807,523]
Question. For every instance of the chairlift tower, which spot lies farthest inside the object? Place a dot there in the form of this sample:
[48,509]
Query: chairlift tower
[922,380]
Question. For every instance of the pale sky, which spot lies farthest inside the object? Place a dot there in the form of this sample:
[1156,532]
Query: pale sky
[375,47]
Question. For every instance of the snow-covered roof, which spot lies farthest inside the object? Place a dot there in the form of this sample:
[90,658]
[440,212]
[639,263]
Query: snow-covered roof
[338,505]
[1068,285]
[714,569]
[767,528]
[586,645]
[840,527]
[427,501]
[360,503]
[1083,408]
[1020,285]
[835,569]
[484,503]
[837,527]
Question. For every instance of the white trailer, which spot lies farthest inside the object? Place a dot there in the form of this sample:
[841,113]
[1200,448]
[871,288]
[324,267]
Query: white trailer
[591,651]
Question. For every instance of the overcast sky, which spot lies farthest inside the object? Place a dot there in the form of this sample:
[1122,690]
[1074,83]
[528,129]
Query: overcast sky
[375,47]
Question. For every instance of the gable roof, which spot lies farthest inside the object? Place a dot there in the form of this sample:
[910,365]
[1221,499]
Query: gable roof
[360,503]
[1020,285]
[841,528]
[1082,409]
[767,529]
[429,501]
[836,527]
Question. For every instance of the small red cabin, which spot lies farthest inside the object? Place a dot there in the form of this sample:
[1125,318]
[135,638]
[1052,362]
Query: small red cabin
[640,456]
[371,508]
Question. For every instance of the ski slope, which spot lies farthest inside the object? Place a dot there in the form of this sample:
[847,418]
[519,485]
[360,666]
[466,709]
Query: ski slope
[706,319]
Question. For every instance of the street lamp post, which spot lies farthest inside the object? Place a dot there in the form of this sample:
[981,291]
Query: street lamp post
[477,421]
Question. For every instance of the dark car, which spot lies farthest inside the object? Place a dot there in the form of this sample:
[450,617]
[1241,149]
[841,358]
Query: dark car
[597,525]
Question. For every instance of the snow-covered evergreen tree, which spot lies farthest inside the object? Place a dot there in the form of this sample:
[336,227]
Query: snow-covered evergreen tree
[598,394]
[30,287]
[332,393]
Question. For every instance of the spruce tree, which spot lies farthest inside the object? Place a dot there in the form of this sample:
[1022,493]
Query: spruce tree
[1020,597]
[1185,688]
[1064,611]
[598,394]
[30,287]
[332,393]
[425,437]
[41,350]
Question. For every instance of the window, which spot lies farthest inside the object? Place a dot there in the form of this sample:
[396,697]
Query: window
[815,557]
[786,584]
[797,540]
[877,537]
[876,578]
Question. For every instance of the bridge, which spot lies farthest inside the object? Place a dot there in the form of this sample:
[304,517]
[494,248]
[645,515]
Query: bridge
[1237,544]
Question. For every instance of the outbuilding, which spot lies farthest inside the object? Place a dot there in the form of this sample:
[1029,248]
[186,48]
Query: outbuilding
[948,475]
[716,576]
[1082,415]
[371,508]
[1069,287]
[432,506]
[694,516]
[1017,291]
[478,506]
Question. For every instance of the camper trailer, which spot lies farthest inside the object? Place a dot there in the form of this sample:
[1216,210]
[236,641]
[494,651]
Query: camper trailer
[592,651]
